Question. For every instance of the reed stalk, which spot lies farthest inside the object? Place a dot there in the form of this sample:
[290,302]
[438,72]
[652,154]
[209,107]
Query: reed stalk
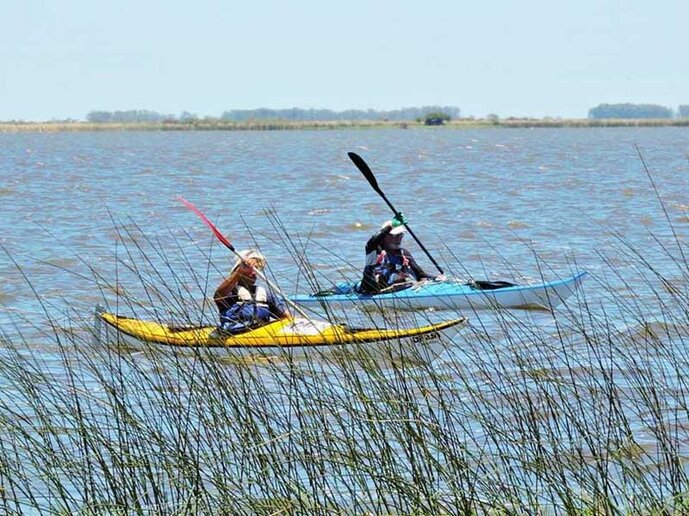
[586,411]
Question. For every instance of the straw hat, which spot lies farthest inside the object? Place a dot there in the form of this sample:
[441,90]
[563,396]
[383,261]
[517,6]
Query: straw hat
[250,255]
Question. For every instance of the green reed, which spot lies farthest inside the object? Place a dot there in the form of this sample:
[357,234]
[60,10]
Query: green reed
[585,412]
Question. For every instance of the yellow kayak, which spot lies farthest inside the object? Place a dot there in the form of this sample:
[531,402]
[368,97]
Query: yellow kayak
[295,334]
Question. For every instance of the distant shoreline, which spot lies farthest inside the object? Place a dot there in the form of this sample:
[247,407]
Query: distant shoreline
[286,125]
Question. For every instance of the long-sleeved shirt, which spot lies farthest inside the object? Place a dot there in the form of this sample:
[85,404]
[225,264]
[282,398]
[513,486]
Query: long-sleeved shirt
[384,268]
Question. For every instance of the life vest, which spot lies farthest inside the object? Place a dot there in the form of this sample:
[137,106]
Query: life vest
[250,311]
[393,268]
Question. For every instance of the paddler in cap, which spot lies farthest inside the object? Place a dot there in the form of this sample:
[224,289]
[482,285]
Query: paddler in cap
[388,264]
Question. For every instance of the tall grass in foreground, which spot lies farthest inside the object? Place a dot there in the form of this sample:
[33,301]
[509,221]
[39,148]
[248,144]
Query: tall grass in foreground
[587,411]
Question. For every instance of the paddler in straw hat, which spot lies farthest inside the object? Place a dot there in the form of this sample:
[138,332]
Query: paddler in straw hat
[388,264]
[242,304]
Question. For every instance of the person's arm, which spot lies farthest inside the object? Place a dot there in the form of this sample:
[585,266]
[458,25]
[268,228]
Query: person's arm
[369,283]
[277,306]
[374,246]
[375,243]
[418,271]
[416,268]
[224,290]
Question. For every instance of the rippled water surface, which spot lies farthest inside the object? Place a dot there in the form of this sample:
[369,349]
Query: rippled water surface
[502,204]
[87,217]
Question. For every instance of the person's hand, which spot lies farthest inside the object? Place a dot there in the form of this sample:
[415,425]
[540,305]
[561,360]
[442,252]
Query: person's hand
[440,277]
[398,220]
[247,269]
[255,263]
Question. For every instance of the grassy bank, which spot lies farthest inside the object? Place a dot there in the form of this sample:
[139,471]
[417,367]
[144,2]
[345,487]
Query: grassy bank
[284,125]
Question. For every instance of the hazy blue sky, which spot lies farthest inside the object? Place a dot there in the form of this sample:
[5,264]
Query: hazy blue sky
[64,58]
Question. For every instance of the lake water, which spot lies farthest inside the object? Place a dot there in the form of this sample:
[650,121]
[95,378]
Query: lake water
[498,204]
[88,216]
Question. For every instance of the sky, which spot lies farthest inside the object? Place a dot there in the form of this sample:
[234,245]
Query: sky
[62,59]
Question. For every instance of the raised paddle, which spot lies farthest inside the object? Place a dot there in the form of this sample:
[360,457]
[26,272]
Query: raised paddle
[368,174]
[229,245]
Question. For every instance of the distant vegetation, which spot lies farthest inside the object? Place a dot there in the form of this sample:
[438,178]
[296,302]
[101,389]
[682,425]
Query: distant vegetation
[608,115]
[436,118]
[292,115]
[298,118]
[208,124]
[297,114]
[637,111]
[133,115]
[429,115]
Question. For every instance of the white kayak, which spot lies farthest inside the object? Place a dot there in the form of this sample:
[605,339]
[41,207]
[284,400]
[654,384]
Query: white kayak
[449,295]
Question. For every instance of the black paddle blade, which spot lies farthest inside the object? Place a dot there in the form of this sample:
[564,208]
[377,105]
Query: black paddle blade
[365,170]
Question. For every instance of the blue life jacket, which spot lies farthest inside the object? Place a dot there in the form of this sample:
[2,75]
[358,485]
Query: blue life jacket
[251,311]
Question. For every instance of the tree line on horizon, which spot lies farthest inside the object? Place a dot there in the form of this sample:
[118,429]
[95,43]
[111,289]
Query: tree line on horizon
[637,111]
[292,114]
[602,111]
